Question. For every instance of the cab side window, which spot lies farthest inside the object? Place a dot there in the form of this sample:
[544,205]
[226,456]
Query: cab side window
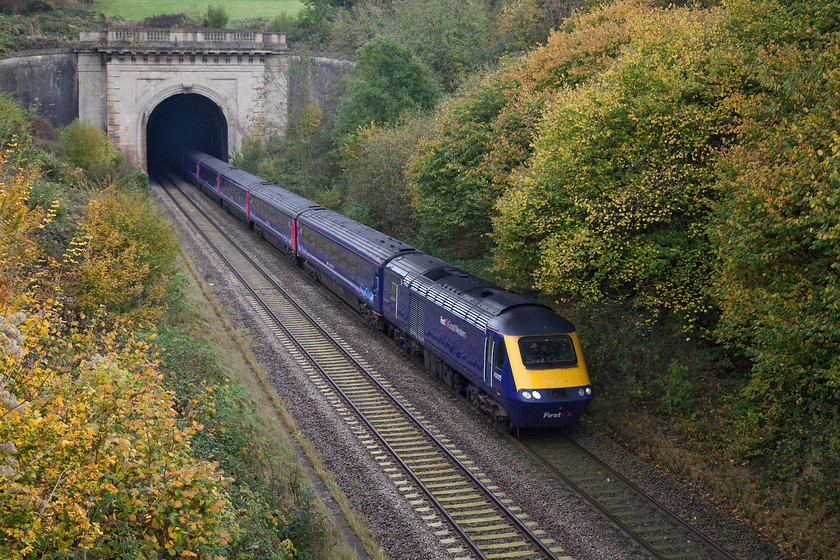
[500,354]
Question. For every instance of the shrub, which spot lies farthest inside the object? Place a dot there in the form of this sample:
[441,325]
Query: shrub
[87,146]
[123,251]
[166,21]
[15,138]
[19,227]
[216,17]
[94,463]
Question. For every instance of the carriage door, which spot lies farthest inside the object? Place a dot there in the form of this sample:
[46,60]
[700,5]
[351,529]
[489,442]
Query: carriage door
[489,343]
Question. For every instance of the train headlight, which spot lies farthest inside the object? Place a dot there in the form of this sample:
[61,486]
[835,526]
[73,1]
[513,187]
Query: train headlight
[526,394]
[584,391]
[537,395]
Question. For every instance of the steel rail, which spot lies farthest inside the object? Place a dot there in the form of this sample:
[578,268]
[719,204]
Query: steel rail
[667,514]
[673,516]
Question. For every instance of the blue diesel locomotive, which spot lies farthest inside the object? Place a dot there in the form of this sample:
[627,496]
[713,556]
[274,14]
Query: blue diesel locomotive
[511,356]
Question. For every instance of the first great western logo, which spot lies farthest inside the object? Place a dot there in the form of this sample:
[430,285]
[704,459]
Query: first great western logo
[453,327]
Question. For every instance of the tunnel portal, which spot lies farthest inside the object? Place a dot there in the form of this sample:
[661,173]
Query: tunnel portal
[182,123]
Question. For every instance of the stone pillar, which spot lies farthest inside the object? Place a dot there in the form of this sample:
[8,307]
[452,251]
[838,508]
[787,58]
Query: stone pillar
[92,93]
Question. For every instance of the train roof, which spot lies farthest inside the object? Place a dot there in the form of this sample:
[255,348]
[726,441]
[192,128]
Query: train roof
[275,195]
[477,301]
[374,245]
[246,180]
[208,160]
[291,203]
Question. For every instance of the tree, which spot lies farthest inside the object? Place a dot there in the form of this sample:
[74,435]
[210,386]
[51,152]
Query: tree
[524,24]
[615,201]
[777,243]
[387,81]
[451,37]
[482,136]
[453,190]
[373,163]
[216,17]
[310,120]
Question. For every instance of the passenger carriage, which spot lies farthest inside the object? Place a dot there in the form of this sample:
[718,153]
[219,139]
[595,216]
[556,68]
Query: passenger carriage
[347,257]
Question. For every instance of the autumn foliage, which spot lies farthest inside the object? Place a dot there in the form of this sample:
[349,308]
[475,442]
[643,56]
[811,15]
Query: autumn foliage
[776,233]
[122,255]
[94,460]
[463,167]
[615,198]
[678,166]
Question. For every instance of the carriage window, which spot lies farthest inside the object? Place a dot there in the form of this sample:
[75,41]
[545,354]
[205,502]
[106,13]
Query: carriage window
[342,260]
[393,291]
[353,269]
[547,352]
[500,354]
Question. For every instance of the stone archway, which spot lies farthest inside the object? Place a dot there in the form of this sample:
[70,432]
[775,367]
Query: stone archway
[184,122]
[124,76]
[184,117]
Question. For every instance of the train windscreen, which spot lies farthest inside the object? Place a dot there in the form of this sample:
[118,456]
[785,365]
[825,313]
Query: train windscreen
[544,352]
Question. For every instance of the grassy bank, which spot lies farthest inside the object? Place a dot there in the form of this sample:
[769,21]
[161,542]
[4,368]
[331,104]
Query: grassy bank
[237,9]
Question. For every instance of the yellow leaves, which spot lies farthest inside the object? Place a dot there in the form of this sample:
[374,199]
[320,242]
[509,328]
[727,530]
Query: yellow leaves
[100,448]
[620,172]
[18,226]
[122,253]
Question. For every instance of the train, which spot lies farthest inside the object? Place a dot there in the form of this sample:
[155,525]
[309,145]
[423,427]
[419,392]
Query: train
[512,357]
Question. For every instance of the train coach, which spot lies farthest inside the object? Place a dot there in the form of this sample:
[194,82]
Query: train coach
[512,357]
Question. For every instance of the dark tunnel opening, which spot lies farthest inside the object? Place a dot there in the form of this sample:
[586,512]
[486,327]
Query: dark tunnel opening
[182,123]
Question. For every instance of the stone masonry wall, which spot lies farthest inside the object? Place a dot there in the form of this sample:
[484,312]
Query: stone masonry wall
[43,81]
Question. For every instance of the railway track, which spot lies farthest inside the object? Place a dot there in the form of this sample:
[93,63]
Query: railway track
[656,529]
[472,518]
